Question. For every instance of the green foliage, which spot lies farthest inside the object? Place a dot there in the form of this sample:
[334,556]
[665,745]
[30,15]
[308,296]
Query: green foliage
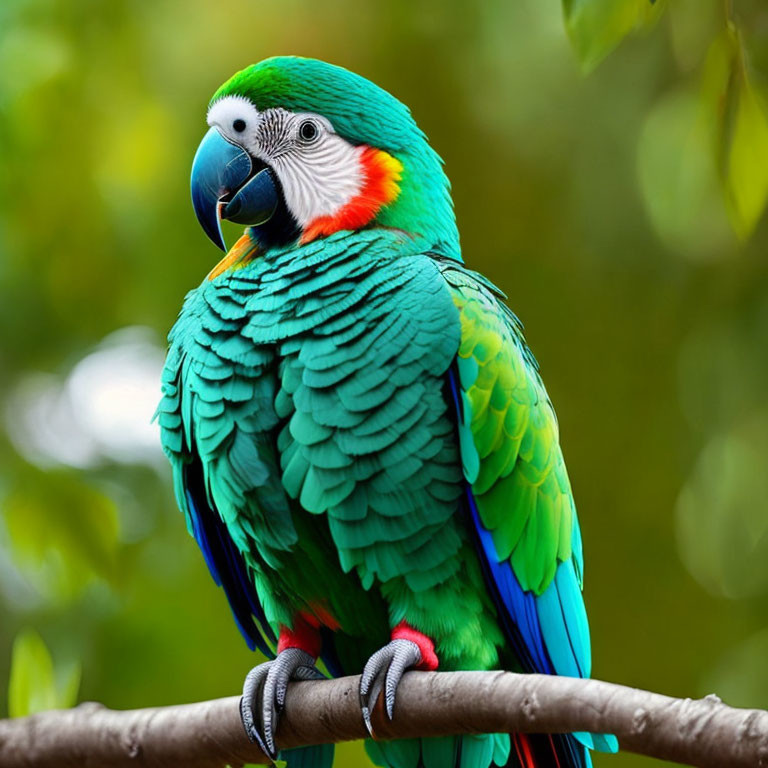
[63,529]
[596,27]
[33,686]
[277,764]
[747,166]
[721,522]
[679,178]
[681,145]
[742,129]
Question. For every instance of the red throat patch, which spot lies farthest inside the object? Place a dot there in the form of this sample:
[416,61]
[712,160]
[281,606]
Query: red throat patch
[381,173]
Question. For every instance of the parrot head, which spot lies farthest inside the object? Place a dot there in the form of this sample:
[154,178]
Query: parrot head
[298,149]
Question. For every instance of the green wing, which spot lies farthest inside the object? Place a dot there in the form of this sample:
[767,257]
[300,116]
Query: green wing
[520,497]
[520,501]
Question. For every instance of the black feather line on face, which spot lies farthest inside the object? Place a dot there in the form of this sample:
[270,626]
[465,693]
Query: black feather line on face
[273,134]
[282,228]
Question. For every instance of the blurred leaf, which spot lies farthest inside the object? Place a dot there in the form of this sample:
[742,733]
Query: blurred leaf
[722,525]
[68,684]
[678,177]
[63,529]
[596,27]
[747,179]
[33,687]
[742,136]
[693,25]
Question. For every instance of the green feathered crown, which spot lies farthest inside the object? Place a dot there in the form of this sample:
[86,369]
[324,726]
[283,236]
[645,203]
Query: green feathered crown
[359,110]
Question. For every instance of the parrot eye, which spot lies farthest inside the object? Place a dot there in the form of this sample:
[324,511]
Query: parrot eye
[239,125]
[308,131]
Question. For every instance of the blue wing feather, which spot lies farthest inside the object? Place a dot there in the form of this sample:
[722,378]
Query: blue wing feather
[516,608]
[548,633]
[553,626]
[564,623]
[226,565]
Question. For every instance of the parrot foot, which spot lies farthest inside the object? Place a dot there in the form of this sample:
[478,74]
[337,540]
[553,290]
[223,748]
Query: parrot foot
[264,694]
[384,670]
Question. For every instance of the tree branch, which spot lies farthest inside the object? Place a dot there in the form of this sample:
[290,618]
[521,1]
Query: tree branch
[702,733]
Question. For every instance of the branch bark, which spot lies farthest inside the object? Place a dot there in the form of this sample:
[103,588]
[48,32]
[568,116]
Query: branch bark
[703,732]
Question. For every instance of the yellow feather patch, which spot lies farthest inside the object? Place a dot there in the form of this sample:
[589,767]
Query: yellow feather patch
[240,254]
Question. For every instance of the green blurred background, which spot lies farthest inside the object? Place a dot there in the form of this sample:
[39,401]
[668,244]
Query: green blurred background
[619,209]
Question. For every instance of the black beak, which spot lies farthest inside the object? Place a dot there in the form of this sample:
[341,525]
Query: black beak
[226,185]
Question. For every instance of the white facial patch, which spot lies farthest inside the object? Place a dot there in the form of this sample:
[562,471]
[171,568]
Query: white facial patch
[319,171]
[236,118]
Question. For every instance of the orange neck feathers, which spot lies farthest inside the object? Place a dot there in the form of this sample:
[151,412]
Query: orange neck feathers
[381,173]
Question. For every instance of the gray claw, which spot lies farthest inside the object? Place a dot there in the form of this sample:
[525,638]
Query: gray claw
[264,695]
[246,716]
[384,670]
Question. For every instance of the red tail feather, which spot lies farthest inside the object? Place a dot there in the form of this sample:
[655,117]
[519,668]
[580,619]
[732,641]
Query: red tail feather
[523,749]
[533,752]
[554,752]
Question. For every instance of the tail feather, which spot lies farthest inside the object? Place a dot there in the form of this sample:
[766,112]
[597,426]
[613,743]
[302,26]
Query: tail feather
[521,755]
[320,756]
[602,742]
[517,750]
[482,751]
[475,751]
[547,751]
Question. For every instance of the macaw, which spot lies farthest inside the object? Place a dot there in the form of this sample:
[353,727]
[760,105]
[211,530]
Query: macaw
[359,436]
